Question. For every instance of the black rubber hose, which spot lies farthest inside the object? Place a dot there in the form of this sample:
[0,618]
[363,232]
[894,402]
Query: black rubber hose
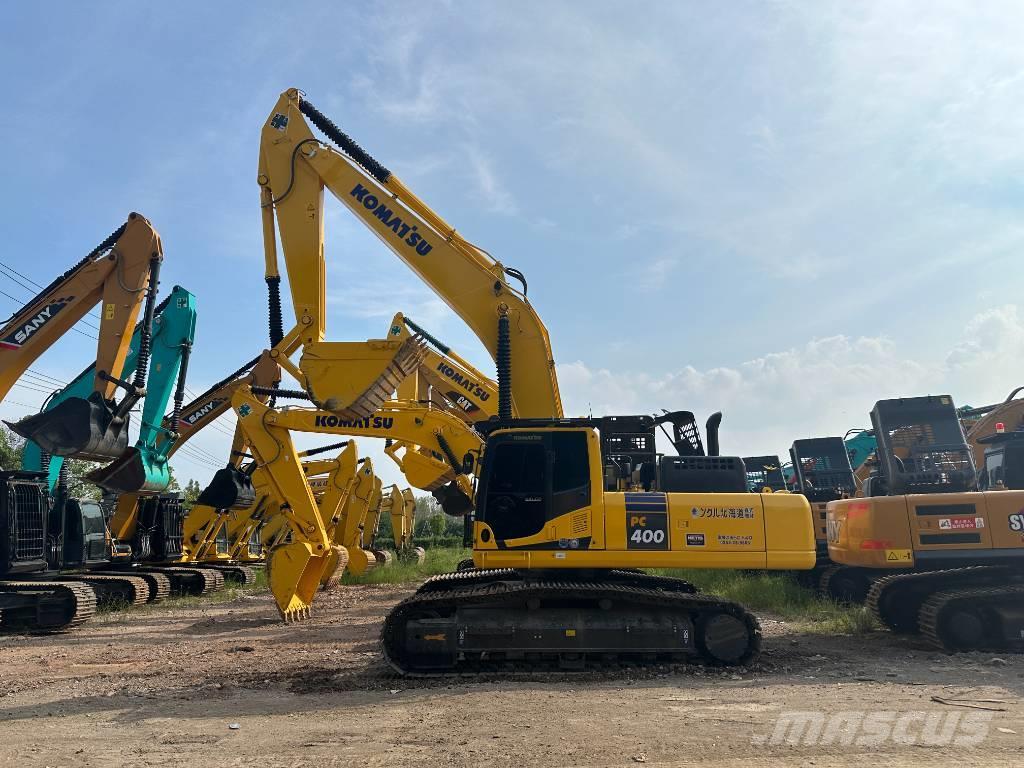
[179,390]
[274,306]
[503,359]
[326,448]
[293,394]
[146,341]
[443,348]
[103,247]
[344,142]
[449,454]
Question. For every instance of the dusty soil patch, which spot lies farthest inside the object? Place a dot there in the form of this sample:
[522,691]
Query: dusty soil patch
[162,688]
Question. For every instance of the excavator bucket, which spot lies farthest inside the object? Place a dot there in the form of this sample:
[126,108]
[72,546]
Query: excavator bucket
[425,471]
[453,500]
[354,379]
[230,488]
[81,427]
[135,471]
[295,574]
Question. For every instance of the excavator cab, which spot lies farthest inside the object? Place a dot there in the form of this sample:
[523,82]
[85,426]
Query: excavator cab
[1004,461]
[822,473]
[764,472]
[921,448]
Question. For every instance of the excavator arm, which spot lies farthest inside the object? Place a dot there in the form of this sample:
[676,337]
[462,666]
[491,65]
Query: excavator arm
[118,274]
[294,169]
[299,566]
[229,485]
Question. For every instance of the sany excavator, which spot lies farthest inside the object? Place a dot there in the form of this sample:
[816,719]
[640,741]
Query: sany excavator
[118,274]
[941,558]
[76,528]
[561,504]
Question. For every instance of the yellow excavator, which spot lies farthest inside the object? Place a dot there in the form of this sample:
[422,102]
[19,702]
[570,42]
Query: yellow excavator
[938,556]
[399,505]
[566,509]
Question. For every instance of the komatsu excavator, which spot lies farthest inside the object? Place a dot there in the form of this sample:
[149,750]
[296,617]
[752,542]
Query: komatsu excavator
[119,274]
[561,503]
[941,557]
[400,507]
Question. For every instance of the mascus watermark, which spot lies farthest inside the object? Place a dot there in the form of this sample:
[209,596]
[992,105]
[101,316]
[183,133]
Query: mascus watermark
[872,729]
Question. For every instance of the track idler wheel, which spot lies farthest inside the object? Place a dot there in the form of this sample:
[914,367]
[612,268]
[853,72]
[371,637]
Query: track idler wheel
[81,427]
[295,572]
[465,564]
[725,639]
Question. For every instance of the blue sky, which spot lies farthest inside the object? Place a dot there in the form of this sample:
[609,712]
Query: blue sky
[781,210]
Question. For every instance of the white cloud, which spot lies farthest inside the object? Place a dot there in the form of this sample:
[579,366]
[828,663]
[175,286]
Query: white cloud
[824,386]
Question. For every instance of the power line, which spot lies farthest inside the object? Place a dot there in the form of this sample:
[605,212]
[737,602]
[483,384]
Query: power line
[38,286]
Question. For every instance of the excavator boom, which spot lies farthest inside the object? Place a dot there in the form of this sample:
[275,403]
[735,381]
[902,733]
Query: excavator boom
[294,169]
[119,273]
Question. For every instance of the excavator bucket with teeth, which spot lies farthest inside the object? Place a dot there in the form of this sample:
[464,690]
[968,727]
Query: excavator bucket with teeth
[81,427]
[133,472]
[230,488]
[354,379]
[295,574]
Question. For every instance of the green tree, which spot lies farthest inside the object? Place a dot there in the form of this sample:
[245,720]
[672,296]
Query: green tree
[10,449]
[192,491]
[79,486]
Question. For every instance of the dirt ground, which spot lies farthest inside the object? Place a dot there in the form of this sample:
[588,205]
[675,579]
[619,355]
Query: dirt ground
[228,685]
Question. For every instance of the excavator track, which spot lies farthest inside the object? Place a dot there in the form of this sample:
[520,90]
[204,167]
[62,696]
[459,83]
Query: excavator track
[190,581]
[114,589]
[243,574]
[500,620]
[159,584]
[845,583]
[989,618]
[59,606]
[896,601]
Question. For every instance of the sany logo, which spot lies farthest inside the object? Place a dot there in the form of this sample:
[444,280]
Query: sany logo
[190,419]
[19,335]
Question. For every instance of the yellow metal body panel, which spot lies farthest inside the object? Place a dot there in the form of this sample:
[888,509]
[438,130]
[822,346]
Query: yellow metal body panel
[705,530]
[895,531]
